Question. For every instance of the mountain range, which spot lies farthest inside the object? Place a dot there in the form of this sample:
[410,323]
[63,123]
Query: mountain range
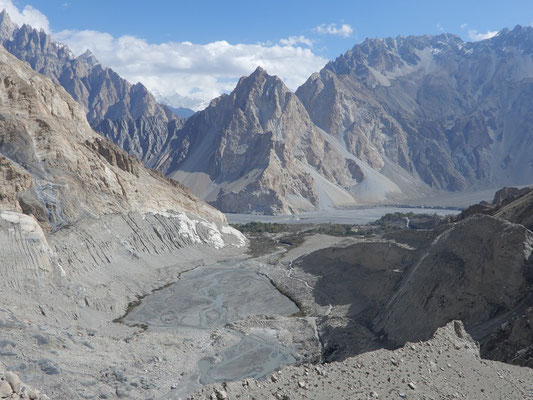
[454,115]
[390,119]
[127,114]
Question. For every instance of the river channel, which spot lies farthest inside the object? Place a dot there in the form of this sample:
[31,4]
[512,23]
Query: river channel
[211,297]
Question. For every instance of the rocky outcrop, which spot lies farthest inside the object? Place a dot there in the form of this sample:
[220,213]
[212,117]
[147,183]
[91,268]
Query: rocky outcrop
[127,114]
[256,150]
[11,387]
[115,156]
[15,182]
[519,211]
[512,204]
[451,114]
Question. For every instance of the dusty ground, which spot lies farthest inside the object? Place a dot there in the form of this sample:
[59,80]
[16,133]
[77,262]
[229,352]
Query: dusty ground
[446,367]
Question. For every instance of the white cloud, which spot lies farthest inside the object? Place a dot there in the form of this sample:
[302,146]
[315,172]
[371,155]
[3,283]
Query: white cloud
[477,36]
[440,28]
[28,15]
[190,75]
[295,40]
[344,30]
[463,26]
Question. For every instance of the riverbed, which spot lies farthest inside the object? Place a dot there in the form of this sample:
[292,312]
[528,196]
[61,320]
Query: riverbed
[211,297]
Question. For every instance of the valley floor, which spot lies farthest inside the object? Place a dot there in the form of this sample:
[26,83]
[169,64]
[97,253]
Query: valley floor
[249,323]
[353,215]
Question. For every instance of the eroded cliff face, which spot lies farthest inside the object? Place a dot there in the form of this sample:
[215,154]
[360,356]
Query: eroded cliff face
[450,113]
[256,150]
[85,229]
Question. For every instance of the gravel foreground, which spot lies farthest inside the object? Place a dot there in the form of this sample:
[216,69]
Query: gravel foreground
[448,366]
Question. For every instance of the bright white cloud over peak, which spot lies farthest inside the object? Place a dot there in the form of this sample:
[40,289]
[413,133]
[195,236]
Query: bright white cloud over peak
[190,75]
[477,36]
[344,30]
[28,15]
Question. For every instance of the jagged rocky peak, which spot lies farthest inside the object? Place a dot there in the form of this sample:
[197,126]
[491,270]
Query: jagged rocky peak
[264,98]
[7,26]
[390,53]
[257,150]
[127,114]
[258,83]
[89,58]
[520,37]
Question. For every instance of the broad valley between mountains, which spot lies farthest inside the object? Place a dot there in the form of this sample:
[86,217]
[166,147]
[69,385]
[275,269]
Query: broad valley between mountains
[366,235]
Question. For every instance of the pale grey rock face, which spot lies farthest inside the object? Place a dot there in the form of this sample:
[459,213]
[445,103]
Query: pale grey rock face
[7,27]
[127,114]
[256,150]
[451,113]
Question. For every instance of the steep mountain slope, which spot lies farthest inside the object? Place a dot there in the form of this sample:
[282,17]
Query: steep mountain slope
[256,150]
[455,115]
[127,114]
[57,169]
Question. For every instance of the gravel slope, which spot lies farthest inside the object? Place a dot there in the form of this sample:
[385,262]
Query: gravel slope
[448,366]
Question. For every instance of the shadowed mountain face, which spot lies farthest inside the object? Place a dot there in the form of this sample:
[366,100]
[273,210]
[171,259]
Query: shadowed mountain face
[454,114]
[127,114]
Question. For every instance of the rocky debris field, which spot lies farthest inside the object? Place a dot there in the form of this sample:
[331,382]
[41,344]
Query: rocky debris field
[448,366]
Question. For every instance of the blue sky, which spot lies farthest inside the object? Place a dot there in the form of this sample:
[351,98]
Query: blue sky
[290,38]
[240,21]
